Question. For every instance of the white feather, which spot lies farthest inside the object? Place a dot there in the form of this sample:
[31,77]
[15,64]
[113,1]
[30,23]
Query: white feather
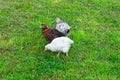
[60,44]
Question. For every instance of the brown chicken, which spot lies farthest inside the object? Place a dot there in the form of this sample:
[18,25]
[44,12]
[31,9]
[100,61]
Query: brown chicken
[49,33]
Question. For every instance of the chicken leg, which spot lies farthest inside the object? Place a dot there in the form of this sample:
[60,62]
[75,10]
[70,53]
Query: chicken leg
[58,54]
[66,53]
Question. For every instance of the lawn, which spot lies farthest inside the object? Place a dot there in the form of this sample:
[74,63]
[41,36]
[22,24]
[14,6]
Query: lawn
[95,29]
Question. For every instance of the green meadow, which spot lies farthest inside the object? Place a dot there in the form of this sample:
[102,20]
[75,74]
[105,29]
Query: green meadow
[95,29]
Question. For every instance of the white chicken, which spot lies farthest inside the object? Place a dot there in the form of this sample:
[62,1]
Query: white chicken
[60,44]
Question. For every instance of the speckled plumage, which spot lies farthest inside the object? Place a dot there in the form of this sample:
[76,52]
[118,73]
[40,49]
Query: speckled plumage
[62,27]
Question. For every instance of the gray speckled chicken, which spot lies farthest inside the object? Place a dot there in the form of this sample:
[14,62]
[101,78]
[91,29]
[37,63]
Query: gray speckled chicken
[62,27]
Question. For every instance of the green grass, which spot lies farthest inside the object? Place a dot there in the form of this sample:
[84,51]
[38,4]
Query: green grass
[95,28]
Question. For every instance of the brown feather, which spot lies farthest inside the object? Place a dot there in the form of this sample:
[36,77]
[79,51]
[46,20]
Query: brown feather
[50,34]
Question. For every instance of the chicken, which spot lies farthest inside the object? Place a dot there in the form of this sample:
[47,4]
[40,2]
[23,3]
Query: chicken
[60,44]
[62,27]
[49,33]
